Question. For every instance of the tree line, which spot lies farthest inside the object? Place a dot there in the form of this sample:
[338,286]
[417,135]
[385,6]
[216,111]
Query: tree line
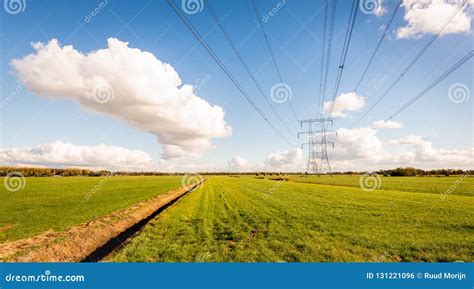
[69,172]
[412,172]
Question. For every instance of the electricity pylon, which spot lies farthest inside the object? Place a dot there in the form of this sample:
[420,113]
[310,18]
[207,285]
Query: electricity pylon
[317,145]
[312,165]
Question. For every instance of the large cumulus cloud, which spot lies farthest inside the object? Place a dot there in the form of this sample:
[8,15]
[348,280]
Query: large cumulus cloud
[130,85]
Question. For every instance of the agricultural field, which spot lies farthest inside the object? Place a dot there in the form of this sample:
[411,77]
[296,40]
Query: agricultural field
[245,219]
[455,185]
[58,203]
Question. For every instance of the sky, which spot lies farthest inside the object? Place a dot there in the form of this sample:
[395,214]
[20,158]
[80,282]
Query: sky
[125,85]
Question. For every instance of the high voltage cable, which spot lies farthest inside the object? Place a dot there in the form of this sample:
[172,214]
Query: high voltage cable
[328,58]
[265,36]
[323,54]
[460,62]
[347,41]
[244,64]
[428,44]
[320,147]
[377,46]
[223,67]
[434,83]
[397,5]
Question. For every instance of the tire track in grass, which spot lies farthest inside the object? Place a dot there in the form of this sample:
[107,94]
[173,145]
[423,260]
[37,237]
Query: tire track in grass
[204,212]
[288,243]
[264,222]
[293,222]
[228,231]
[338,209]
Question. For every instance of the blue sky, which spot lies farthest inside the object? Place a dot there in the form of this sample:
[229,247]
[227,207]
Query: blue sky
[435,131]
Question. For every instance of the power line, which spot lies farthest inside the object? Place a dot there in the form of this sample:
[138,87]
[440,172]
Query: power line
[244,64]
[265,36]
[323,54]
[330,37]
[317,150]
[460,62]
[223,67]
[397,5]
[377,46]
[427,88]
[347,40]
[420,53]
[324,164]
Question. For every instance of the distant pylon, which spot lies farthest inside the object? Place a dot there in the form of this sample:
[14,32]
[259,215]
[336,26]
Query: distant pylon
[312,165]
[318,160]
[325,166]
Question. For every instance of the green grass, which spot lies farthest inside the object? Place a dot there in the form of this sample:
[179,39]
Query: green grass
[229,219]
[456,185]
[59,203]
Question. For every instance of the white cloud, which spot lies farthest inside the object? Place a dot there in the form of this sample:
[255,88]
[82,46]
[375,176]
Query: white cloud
[345,102]
[380,124]
[290,160]
[130,85]
[59,154]
[237,163]
[425,152]
[361,149]
[357,149]
[407,140]
[428,16]
[357,143]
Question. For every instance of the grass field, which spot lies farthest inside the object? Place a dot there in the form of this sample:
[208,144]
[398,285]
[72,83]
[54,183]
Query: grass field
[247,219]
[437,185]
[59,203]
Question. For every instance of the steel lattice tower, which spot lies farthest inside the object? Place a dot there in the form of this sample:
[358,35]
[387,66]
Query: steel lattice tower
[318,160]
[312,165]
